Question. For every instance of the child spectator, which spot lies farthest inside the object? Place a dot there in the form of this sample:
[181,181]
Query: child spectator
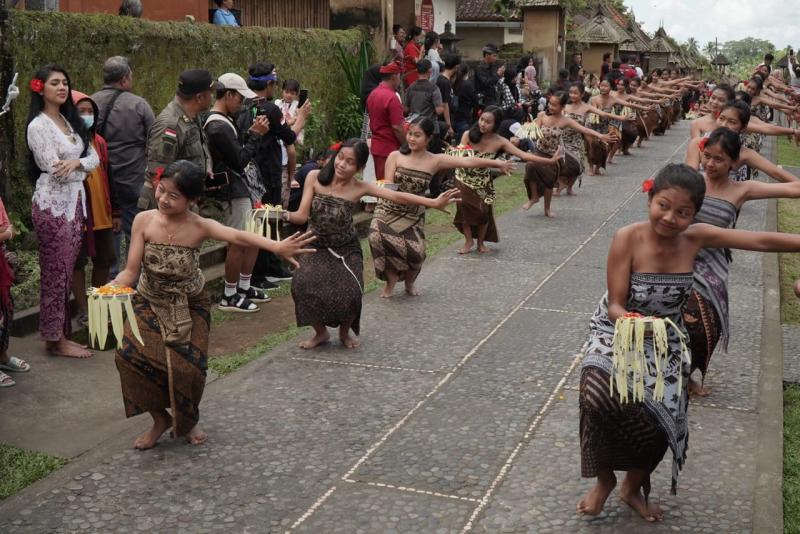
[288,106]
[7,363]
[104,217]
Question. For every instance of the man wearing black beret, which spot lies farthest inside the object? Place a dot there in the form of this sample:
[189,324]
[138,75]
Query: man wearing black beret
[177,132]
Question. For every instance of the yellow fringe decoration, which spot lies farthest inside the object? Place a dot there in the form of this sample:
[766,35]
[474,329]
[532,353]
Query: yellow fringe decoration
[594,118]
[256,222]
[104,306]
[630,360]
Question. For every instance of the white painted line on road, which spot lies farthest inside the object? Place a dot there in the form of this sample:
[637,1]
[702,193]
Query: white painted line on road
[313,508]
[397,426]
[412,490]
[510,460]
[534,308]
[368,365]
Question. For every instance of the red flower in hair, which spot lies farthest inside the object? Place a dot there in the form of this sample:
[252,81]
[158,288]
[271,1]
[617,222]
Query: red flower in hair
[335,146]
[157,177]
[647,185]
[702,144]
[36,85]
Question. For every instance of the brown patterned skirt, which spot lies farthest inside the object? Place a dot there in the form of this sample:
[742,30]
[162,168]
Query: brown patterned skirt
[614,435]
[155,376]
[704,328]
[539,177]
[628,134]
[596,151]
[397,251]
[328,289]
[474,212]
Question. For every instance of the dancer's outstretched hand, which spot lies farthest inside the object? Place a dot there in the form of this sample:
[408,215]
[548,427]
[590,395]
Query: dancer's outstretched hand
[445,199]
[294,246]
[507,166]
[558,154]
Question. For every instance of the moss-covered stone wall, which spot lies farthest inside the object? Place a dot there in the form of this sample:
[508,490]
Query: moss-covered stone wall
[159,51]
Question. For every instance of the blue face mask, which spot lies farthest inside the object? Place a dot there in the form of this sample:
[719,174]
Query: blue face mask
[88,120]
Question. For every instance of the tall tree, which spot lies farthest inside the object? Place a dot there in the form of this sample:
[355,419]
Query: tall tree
[747,49]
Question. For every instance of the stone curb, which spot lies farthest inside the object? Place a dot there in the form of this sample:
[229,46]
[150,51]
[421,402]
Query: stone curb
[768,487]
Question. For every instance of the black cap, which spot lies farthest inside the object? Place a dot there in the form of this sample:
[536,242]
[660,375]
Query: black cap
[194,81]
[490,49]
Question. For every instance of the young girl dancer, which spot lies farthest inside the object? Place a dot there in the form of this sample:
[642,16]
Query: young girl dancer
[650,268]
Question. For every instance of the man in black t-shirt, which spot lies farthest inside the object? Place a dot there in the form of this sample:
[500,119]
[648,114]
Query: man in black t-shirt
[451,63]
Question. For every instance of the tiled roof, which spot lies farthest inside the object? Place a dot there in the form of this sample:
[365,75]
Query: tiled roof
[482,10]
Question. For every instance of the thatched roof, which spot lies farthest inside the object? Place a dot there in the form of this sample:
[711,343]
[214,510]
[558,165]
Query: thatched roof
[659,43]
[600,29]
[720,60]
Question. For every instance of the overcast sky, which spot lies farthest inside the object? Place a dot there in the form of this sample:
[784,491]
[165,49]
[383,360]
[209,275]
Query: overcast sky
[774,20]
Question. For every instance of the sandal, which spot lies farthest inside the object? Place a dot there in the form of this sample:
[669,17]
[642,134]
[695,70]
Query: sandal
[15,365]
[237,303]
[6,381]
[254,294]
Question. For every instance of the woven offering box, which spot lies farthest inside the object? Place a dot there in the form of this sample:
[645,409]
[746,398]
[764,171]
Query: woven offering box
[106,303]
[630,362]
[258,219]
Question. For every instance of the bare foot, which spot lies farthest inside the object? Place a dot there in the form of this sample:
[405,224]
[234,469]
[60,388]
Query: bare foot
[634,498]
[592,172]
[75,344]
[483,249]
[67,349]
[349,342]
[386,293]
[318,339]
[696,388]
[466,249]
[550,213]
[527,205]
[570,192]
[412,291]
[593,502]
[196,436]
[149,439]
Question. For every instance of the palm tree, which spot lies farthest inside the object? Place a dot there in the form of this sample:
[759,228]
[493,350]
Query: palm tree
[692,46]
[710,50]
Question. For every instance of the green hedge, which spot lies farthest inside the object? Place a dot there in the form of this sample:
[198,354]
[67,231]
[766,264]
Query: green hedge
[159,51]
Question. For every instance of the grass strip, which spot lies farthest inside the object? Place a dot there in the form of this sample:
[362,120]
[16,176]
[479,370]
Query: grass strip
[791,458]
[21,467]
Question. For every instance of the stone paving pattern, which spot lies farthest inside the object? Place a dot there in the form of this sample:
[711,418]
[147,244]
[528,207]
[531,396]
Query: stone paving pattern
[459,412]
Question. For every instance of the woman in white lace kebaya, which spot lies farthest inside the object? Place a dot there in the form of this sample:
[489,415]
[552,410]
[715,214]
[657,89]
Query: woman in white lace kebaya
[59,158]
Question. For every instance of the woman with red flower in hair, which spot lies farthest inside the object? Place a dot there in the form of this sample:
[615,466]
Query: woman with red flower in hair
[60,156]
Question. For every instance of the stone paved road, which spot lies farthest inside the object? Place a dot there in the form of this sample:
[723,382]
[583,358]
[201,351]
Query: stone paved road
[459,412]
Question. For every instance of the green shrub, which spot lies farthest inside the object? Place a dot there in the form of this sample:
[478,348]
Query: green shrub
[349,118]
[159,51]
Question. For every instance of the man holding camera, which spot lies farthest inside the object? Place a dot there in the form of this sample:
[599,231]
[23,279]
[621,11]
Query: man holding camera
[227,196]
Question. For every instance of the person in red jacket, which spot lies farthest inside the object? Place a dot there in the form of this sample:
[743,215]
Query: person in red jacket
[412,53]
[104,216]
